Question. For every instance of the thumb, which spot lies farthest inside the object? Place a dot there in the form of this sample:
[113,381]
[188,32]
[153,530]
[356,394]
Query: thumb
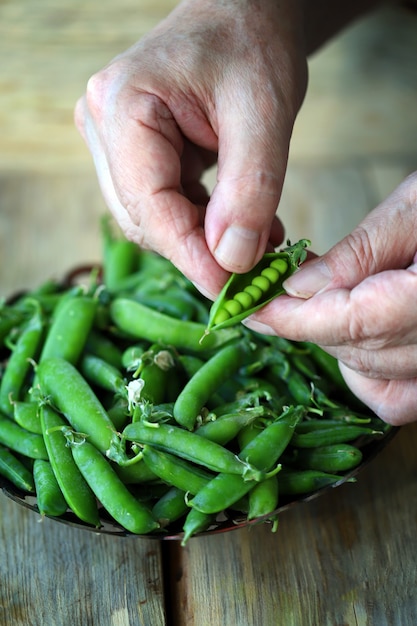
[384,240]
[242,208]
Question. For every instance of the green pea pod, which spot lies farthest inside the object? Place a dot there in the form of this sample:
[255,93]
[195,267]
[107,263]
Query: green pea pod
[138,321]
[243,294]
[196,522]
[10,318]
[72,395]
[111,491]
[49,496]
[341,433]
[98,344]
[263,498]
[20,440]
[175,471]
[292,482]
[265,449]
[19,362]
[120,257]
[198,390]
[170,507]
[101,374]
[69,329]
[334,458]
[225,428]
[14,470]
[26,414]
[74,488]
[191,447]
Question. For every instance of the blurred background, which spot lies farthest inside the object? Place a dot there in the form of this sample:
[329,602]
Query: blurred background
[354,140]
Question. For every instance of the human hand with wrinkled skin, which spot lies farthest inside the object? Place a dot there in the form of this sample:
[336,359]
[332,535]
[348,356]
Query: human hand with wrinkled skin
[359,302]
[219,80]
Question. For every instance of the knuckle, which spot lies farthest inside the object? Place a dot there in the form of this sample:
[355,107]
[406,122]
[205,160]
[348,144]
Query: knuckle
[102,87]
[361,255]
[411,185]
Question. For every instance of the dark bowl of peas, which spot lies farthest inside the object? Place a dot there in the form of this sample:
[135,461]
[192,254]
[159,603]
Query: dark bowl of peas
[130,406]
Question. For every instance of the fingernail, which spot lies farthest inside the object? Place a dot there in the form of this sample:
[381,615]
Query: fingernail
[237,248]
[205,292]
[308,280]
[258,327]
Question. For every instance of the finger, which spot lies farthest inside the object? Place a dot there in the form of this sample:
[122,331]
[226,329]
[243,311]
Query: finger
[137,157]
[253,149]
[376,314]
[384,240]
[393,401]
[395,363]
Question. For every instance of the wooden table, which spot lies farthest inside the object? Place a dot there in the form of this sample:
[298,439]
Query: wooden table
[345,559]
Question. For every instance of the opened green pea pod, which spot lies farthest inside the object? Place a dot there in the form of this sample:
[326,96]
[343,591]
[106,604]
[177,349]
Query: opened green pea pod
[243,294]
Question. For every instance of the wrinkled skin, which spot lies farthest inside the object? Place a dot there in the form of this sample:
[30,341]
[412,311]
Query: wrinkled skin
[222,81]
[359,302]
[205,85]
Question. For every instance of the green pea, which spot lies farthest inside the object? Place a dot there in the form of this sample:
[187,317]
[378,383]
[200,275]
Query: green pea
[280,265]
[233,307]
[271,274]
[222,315]
[262,282]
[245,299]
[255,292]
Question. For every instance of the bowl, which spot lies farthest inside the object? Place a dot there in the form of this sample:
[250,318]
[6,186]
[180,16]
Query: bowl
[225,521]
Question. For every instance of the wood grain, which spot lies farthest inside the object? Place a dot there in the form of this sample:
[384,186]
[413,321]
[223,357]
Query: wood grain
[346,559]
[55,575]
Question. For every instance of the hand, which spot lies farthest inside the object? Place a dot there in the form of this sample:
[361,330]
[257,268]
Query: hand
[213,80]
[359,302]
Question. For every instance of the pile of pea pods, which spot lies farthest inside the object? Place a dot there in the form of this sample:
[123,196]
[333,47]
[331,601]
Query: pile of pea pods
[126,395]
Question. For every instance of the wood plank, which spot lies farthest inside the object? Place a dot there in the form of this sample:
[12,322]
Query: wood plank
[348,557]
[55,575]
